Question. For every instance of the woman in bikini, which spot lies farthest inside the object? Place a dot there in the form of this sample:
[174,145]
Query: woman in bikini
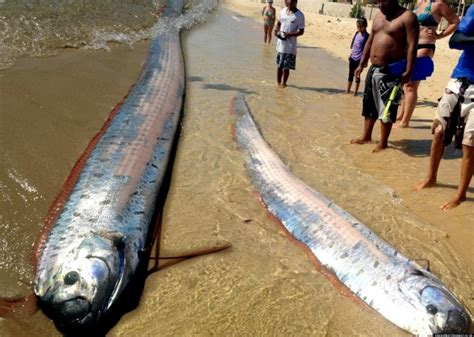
[269,14]
[429,13]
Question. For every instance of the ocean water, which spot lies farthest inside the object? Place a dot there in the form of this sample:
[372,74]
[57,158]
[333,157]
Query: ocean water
[45,27]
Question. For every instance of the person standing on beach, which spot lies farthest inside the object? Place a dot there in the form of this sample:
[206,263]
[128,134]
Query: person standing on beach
[289,26]
[429,13]
[357,46]
[459,94]
[268,14]
[393,38]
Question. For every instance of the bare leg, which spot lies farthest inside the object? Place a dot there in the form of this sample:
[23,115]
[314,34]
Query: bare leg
[265,33]
[279,75]
[349,85]
[286,74]
[436,154]
[385,129]
[402,107]
[409,103]
[269,32]
[467,170]
[367,133]
[356,89]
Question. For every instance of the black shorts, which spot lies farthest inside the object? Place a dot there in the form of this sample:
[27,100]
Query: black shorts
[369,107]
[353,64]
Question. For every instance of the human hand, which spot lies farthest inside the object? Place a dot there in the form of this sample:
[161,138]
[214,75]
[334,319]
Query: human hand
[432,34]
[357,72]
[406,77]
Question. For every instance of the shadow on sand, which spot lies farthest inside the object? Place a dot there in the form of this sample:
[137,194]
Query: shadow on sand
[422,147]
[321,90]
[226,87]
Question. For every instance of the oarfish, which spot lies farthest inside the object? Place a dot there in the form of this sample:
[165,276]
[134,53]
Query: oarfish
[412,298]
[99,226]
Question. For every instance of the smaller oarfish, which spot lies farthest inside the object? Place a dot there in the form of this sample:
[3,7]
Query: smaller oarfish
[396,287]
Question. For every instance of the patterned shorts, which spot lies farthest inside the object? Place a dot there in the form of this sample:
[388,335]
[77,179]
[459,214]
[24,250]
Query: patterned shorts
[448,102]
[286,61]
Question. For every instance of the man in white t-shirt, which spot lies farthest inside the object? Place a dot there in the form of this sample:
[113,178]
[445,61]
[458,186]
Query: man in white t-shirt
[290,24]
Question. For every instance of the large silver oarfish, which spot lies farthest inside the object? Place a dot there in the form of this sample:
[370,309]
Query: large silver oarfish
[99,227]
[412,298]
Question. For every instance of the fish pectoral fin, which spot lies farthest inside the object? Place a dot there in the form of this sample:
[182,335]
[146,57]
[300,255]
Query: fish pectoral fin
[187,255]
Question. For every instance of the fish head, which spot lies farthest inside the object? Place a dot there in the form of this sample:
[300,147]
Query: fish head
[78,290]
[440,311]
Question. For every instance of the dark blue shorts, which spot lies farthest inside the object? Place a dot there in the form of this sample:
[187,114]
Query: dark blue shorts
[286,61]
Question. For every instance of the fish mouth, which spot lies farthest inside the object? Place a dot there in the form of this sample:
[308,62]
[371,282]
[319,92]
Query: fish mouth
[72,312]
[457,321]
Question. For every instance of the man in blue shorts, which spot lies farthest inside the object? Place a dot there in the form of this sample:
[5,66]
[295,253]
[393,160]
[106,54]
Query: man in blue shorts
[290,25]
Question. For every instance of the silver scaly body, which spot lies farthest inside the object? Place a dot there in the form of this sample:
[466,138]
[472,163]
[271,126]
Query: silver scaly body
[93,247]
[396,287]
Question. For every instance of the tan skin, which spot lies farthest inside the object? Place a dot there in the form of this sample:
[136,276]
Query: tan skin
[283,74]
[428,35]
[467,170]
[394,36]
[268,26]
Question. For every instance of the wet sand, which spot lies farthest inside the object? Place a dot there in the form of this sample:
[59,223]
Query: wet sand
[265,285]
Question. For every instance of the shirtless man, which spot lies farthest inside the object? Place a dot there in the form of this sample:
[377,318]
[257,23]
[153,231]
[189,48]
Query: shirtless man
[394,37]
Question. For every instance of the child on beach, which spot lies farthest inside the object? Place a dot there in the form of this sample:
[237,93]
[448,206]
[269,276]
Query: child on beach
[289,26]
[393,38]
[357,45]
[460,90]
[268,14]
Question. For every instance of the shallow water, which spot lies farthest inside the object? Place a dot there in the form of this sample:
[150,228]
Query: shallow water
[44,27]
[265,285]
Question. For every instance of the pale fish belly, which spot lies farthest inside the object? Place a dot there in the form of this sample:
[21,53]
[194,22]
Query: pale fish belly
[113,189]
[396,287]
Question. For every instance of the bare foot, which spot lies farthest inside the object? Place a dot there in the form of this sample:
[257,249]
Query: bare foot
[401,125]
[425,183]
[379,148]
[283,86]
[452,203]
[347,92]
[355,94]
[361,141]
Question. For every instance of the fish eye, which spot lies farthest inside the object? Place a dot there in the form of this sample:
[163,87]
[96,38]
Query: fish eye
[71,278]
[432,309]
